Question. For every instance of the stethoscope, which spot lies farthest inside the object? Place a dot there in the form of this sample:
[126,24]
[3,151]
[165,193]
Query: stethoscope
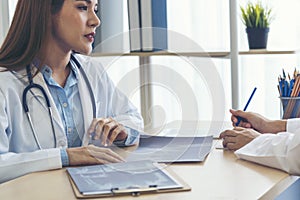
[32,85]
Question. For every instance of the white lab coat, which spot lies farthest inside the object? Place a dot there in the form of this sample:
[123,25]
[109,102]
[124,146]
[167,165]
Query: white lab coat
[279,151]
[19,153]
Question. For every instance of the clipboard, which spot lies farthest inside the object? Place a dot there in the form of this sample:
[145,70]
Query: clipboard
[134,190]
[168,149]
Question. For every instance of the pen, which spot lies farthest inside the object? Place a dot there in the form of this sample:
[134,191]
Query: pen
[245,108]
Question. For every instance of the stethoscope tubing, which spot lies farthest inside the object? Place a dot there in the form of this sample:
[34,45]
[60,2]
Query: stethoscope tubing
[32,85]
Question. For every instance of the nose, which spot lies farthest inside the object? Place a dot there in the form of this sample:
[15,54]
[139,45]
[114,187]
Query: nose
[94,20]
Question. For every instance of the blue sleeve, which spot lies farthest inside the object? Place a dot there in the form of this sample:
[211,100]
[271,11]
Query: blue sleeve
[64,157]
[132,138]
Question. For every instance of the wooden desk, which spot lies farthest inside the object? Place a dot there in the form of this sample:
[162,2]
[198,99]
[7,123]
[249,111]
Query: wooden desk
[221,176]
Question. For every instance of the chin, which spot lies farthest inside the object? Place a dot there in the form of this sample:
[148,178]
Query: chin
[84,51]
[83,48]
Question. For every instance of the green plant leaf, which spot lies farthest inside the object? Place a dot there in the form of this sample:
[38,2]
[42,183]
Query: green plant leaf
[255,15]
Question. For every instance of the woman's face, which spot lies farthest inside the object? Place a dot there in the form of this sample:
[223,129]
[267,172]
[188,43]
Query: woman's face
[74,26]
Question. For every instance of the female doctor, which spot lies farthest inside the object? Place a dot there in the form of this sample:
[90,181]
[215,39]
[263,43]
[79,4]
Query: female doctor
[39,69]
[274,143]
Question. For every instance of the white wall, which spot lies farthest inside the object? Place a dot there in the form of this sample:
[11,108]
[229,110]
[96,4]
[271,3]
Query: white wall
[207,23]
[4,22]
[262,71]
[7,9]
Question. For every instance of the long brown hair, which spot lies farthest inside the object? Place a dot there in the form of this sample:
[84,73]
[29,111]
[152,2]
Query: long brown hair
[28,31]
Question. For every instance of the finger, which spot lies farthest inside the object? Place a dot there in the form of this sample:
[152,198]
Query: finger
[230,140]
[247,125]
[238,128]
[232,111]
[222,135]
[236,112]
[236,115]
[228,133]
[240,113]
[93,125]
[114,155]
[106,158]
[105,153]
[234,120]
[102,159]
[100,127]
[107,129]
[231,146]
[116,132]
[224,144]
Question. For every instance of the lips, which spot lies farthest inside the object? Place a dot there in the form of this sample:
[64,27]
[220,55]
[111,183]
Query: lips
[90,36]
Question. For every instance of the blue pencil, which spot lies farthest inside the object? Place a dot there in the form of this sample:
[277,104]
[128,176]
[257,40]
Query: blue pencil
[246,106]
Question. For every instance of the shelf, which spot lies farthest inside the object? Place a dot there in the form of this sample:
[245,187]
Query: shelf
[165,53]
[219,54]
[268,52]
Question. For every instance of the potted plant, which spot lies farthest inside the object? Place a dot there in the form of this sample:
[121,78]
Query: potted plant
[257,20]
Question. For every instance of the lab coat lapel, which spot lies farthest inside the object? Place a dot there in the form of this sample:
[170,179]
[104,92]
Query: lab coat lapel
[39,79]
[87,106]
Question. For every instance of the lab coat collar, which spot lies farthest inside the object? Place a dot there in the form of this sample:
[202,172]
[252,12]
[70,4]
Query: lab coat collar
[87,105]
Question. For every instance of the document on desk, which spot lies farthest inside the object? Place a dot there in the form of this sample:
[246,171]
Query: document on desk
[172,149]
[121,178]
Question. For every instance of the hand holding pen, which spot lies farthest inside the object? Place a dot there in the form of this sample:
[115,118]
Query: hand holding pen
[246,106]
[258,122]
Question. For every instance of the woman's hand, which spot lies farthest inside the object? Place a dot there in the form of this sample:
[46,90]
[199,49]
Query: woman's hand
[108,130]
[238,137]
[92,155]
[257,122]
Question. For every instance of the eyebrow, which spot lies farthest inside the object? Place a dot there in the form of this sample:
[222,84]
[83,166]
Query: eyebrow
[88,1]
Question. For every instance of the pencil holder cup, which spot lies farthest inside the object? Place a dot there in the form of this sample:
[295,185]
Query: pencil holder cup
[290,107]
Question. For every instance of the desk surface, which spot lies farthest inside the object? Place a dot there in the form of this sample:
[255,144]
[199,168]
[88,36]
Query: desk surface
[220,176]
